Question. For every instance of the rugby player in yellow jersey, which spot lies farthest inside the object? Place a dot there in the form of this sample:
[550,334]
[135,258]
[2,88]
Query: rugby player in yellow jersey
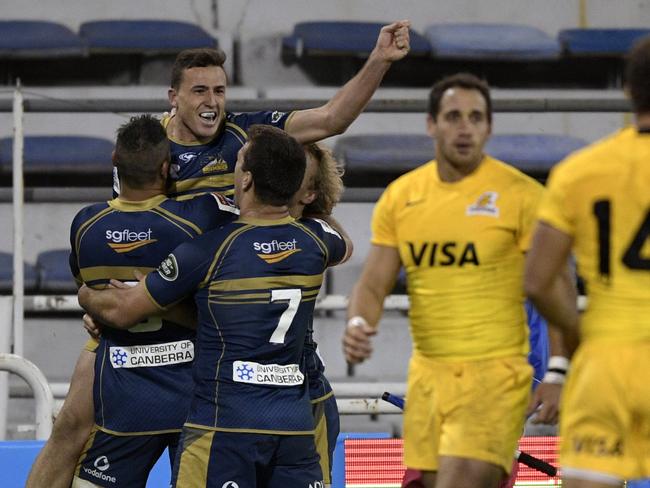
[598,204]
[460,225]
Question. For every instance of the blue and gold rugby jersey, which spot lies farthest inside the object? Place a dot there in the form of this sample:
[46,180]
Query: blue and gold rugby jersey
[200,168]
[142,376]
[255,284]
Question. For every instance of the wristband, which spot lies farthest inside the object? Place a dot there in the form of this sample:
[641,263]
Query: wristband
[357,321]
[553,378]
[558,364]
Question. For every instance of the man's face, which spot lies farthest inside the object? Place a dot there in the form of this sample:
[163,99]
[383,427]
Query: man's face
[200,103]
[461,128]
[239,174]
[306,193]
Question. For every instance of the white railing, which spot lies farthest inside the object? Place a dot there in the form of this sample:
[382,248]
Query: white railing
[42,393]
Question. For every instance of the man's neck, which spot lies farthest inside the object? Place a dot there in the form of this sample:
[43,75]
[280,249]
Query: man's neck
[139,194]
[263,212]
[643,121]
[450,173]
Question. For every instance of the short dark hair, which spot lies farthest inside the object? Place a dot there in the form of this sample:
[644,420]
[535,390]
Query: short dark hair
[140,150]
[277,164]
[637,75]
[195,58]
[467,81]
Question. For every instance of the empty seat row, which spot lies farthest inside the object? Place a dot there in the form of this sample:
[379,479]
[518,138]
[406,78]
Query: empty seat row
[50,274]
[36,38]
[476,41]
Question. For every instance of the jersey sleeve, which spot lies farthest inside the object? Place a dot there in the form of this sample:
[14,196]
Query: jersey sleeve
[334,242]
[178,275]
[214,210]
[531,195]
[383,228]
[553,209]
[274,118]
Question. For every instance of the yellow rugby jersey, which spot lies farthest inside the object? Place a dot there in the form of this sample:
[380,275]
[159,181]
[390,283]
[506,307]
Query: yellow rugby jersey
[462,245]
[600,196]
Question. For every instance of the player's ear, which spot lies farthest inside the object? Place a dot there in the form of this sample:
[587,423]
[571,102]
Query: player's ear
[308,197]
[247,181]
[114,157]
[431,126]
[164,169]
[171,95]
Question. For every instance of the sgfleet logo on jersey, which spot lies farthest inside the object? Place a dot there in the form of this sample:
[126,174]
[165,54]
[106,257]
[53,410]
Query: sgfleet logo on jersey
[485,205]
[127,240]
[275,251]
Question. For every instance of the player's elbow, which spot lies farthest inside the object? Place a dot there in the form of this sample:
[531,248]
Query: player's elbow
[533,287]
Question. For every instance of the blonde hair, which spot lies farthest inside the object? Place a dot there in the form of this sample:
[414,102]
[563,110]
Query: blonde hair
[327,182]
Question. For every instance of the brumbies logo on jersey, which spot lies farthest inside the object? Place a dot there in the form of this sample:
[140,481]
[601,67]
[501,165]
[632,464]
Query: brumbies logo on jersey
[168,269]
[126,240]
[275,251]
[215,165]
[485,205]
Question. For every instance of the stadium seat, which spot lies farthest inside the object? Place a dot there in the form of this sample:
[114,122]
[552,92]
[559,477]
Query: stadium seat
[475,41]
[37,38]
[6,274]
[60,154]
[599,42]
[331,38]
[377,159]
[143,36]
[54,272]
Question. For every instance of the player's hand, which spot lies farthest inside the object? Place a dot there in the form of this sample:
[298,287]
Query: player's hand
[546,403]
[93,328]
[393,42]
[357,345]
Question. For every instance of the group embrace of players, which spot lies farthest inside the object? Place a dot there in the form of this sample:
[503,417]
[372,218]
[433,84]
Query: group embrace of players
[205,306]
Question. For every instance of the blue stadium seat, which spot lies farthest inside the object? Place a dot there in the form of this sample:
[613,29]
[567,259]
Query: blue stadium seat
[53,270]
[143,36]
[391,155]
[6,274]
[342,39]
[491,42]
[60,154]
[599,42]
[37,38]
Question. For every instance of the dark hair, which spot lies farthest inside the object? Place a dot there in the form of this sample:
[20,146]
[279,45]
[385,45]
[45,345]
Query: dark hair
[327,182]
[467,81]
[277,163]
[195,58]
[140,149]
[637,75]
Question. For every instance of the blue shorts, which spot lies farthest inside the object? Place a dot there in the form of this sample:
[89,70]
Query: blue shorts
[122,460]
[327,425]
[216,459]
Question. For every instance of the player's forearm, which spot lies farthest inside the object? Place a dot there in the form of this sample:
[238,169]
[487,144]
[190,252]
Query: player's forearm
[558,304]
[366,302]
[109,306]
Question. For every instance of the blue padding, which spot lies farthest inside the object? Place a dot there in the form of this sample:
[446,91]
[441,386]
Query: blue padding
[53,270]
[38,38]
[398,153]
[532,153]
[6,274]
[338,463]
[16,459]
[644,483]
[60,154]
[491,42]
[144,35]
[600,41]
[333,37]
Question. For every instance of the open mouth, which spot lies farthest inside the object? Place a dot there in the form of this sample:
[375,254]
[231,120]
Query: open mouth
[209,117]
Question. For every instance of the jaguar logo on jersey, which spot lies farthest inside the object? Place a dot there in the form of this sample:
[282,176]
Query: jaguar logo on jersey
[127,240]
[485,205]
[168,269]
[275,251]
[215,165]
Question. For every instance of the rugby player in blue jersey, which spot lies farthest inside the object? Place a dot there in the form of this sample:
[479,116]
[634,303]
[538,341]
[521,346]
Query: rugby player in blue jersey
[255,283]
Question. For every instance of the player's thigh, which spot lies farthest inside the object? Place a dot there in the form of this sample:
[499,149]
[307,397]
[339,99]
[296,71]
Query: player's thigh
[77,413]
[112,460]
[485,403]
[327,428]
[295,464]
